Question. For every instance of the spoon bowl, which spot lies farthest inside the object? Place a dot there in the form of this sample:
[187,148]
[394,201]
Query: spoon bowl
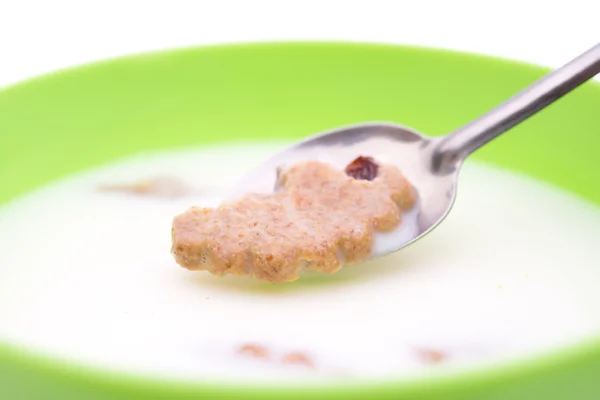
[387,142]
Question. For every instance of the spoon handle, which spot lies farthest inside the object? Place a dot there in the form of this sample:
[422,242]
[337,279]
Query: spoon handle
[459,144]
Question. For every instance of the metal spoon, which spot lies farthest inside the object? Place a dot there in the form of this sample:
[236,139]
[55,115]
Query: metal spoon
[431,164]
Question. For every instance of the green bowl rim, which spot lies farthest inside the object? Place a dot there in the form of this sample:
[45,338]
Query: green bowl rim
[478,375]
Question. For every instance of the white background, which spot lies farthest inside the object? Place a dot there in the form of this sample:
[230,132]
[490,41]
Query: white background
[41,36]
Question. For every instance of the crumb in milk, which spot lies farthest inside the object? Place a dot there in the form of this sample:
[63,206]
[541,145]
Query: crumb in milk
[254,350]
[167,187]
[431,356]
[297,359]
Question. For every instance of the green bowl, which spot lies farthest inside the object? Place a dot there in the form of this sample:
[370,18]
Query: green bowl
[76,119]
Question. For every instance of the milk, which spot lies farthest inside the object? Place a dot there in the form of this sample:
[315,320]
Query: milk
[87,276]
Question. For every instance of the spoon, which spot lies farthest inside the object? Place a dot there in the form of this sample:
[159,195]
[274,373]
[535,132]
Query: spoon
[431,164]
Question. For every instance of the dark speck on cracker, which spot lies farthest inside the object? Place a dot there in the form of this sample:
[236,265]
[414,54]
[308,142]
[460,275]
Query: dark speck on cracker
[364,168]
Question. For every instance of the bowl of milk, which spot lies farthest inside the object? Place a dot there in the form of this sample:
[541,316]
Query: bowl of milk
[499,302]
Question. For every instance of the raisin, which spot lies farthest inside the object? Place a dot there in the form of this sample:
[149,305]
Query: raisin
[364,168]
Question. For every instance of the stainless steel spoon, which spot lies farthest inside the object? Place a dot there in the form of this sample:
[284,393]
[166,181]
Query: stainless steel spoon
[431,164]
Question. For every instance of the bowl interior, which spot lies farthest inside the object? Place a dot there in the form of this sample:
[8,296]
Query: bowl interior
[65,122]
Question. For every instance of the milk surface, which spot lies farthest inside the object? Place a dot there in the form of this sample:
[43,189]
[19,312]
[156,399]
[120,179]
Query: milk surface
[87,275]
